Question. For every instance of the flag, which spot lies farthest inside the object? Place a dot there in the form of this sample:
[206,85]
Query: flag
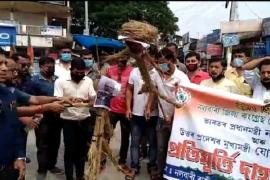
[12,47]
[30,50]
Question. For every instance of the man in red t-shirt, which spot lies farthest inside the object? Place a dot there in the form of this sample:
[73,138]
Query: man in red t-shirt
[121,72]
[195,74]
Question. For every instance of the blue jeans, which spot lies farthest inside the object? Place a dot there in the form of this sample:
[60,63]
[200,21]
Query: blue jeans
[139,125]
[163,136]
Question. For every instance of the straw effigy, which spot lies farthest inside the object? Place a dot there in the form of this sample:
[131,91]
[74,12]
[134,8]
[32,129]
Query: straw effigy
[148,33]
[120,56]
[137,30]
[99,150]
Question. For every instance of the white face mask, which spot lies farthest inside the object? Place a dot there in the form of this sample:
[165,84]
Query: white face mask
[238,62]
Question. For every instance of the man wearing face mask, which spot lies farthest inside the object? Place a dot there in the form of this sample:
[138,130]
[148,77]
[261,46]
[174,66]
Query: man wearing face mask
[91,66]
[193,63]
[174,48]
[166,85]
[75,119]
[121,72]
[218,80]
[260,82]
[62,66]
[48,133]
[235,73]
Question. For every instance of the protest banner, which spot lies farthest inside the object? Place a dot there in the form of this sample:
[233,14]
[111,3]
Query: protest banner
[218,136]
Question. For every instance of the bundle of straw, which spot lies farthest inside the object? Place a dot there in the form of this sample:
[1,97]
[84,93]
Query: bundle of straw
[120,56]
[142,31]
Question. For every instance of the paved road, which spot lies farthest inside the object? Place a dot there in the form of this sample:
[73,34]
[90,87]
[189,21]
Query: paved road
[110,173]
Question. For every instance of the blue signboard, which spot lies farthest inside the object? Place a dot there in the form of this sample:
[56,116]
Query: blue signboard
[230,40]
[258,50]
[267,48]
[7,35]
[214,37]
[266,27]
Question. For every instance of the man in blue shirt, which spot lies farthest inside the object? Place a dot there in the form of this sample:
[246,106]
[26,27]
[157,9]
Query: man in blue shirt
[48,134]
[48,103]
[24,82]
[12,155]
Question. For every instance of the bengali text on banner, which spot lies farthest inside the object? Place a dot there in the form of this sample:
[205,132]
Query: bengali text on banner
[218,135]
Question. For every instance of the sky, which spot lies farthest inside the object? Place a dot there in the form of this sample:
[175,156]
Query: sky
[199,18]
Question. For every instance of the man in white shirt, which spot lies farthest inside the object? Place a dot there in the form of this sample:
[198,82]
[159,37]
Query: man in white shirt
[62,65]
[259,82]
[218,80]
[75,119]
[62,70]
[139,124]
[166,85]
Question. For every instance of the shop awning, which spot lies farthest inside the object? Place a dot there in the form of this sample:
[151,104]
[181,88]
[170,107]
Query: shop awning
[91,42]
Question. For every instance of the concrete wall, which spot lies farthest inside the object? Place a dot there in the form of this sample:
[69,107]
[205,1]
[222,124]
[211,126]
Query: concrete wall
[4,15]
[29,18]
[24,18]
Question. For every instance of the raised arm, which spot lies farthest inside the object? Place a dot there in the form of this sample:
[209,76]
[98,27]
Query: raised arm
[254,63]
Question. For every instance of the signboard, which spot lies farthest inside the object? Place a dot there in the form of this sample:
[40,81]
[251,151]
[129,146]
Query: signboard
[241,26]
[7,35]
[202,44]
[41,41]
[21,40]
[218,136]
[52,30]
[186,39]
[186,49]
[214,49]
[258,50]
[36,41]
[267,44]
[266,27]
[230,40]
[213,37]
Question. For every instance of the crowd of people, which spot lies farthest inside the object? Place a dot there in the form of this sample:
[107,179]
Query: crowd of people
[45,103]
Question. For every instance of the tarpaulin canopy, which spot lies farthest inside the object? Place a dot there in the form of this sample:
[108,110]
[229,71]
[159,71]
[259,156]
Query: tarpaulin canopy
[92,41]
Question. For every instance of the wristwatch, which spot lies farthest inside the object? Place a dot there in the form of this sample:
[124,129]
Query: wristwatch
[21,158]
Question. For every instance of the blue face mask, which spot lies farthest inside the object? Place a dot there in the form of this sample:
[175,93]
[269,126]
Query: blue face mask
[164,67]
[66,57]
[88,63]
[237,62]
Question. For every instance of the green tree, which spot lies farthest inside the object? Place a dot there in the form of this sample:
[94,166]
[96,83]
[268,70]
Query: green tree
[106,17]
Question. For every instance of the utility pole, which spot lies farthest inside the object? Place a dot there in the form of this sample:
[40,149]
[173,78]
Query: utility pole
[68,20]
[233,16]
[86,30]
[233,11]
